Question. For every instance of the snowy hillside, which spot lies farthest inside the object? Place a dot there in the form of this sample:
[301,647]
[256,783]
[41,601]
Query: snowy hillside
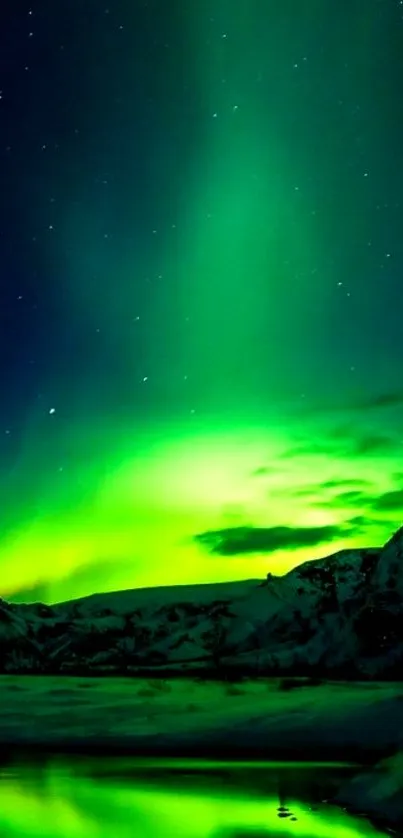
[341,616]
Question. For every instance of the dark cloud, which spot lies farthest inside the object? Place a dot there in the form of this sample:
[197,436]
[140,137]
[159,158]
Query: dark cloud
[389,502]
[237,540]
[344,441]
[358,522]
[340,483]
[392,399]
[375,444]
[363,443]
[382,400]
[309,489]
[308,449]
[353,497]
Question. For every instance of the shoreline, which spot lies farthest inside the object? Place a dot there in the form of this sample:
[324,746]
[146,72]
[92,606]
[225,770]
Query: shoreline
[358,723]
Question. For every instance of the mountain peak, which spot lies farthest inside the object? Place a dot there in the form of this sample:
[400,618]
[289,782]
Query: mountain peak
[341,616]
[388,573]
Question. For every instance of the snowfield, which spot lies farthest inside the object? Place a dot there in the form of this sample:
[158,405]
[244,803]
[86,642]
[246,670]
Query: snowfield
[184,717]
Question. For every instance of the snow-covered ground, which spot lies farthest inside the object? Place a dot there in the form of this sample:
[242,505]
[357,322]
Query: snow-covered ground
[262,717]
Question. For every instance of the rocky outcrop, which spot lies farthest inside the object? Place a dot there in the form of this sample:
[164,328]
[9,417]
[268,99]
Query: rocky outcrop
[378,792]
[341,616]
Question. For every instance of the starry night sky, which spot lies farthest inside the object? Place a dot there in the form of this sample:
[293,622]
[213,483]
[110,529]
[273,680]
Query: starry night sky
[201,288]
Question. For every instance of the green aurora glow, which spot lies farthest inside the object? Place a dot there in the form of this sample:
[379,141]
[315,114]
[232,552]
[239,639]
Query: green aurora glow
[222,397]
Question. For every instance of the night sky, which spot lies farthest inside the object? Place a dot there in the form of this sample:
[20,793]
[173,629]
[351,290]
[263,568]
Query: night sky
[201,288]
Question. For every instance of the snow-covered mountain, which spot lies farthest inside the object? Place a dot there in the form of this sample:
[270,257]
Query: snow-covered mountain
[341,616]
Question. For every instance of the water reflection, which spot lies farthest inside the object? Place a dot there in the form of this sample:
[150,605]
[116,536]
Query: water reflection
[104,798]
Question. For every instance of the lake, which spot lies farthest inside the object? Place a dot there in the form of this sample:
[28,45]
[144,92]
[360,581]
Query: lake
[116,798]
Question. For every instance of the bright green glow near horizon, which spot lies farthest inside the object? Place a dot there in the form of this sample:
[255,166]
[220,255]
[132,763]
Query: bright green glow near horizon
[113,495]
[133,522]
[61,804]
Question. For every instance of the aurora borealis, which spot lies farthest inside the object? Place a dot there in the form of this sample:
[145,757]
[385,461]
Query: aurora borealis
[201,289]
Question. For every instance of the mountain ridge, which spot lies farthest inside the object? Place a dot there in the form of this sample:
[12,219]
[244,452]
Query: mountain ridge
[340,616]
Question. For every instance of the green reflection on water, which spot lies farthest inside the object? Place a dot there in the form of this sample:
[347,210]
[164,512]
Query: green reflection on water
[121,798]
